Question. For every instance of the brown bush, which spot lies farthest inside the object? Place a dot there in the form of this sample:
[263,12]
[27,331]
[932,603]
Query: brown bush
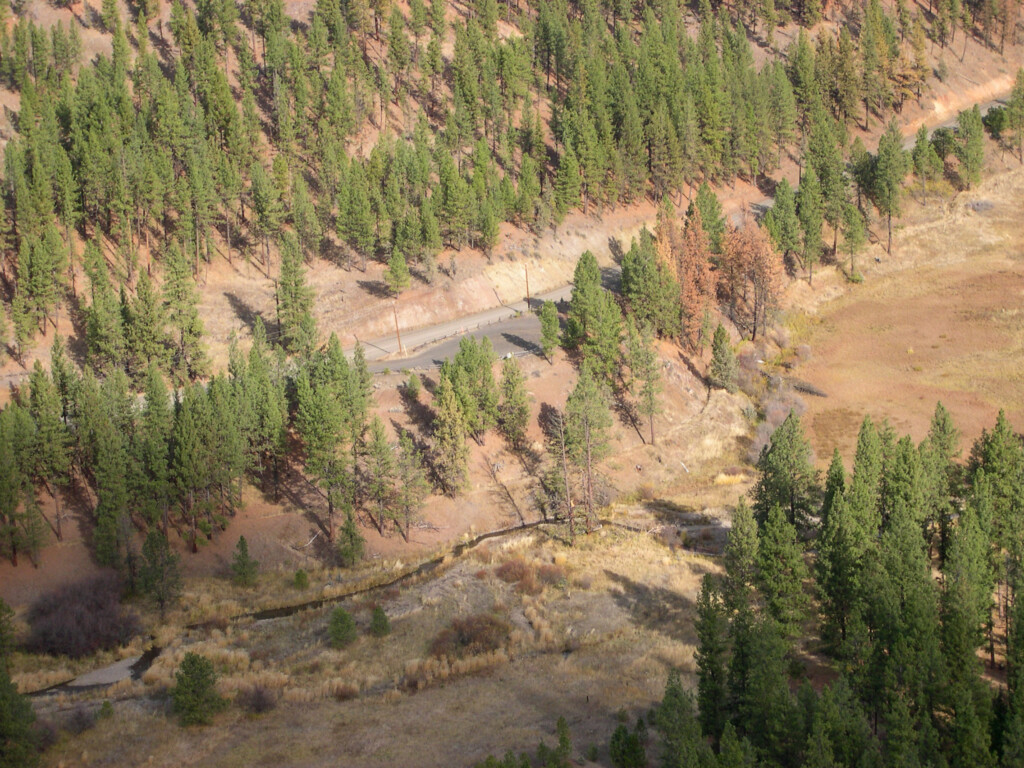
[512,570]
[472,635]
[258,699]
[80,720]
[80,619]
[551,574]
[529,585]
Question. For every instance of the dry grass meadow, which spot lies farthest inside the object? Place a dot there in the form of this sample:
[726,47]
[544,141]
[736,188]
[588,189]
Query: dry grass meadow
[591,633]
[942,319]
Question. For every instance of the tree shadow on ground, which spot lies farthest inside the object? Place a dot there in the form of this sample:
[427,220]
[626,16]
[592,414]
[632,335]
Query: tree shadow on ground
[626,410]
[375,288]
[244,312]
[519,341]
[655,608]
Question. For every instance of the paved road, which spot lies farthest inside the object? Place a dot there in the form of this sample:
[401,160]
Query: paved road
[518,335]
[511,328]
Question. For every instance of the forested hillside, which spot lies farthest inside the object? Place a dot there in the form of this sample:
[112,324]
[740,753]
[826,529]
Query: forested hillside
[358,132]
[385,132]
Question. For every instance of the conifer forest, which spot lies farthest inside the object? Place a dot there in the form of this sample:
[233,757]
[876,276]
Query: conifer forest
[741,483]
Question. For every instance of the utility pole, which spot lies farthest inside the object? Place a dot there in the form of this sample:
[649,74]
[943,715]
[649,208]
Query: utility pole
[527,270]
[398,334]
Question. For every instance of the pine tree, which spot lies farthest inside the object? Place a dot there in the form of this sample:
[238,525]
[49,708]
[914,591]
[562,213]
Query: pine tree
[841,552]
[645,368]
[927,165]
[244,569]
[451,455]
[970,145]
[810,206]
[266,207]
[586,293]
[549,328]
[889,169]
[682,742]
[191,457]
[1015,113]
[19,740]
[6,634]
[104,330]
[649,286]
[321,422]
[787,476]
[379,474]
[182,304]
[741,556]
[781,571]
[355,219]
[723,370]
[195,692]
[295,301]
[782,221]
[160,574]
[52,444]
[412,486]
[145,330]
[588,421]
[710,658]
[20,524]
[710,215]
[397,277]
[567,184]
[350,540]
[854,235]
[601,346]
[515,404]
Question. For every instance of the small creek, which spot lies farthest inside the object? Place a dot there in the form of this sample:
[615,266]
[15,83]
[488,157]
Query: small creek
[135,670]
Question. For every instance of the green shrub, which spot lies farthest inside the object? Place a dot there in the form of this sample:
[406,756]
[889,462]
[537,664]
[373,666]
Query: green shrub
[342,628]
[626,749]
[195,695]
[412,387]
[301,580]
[380,625]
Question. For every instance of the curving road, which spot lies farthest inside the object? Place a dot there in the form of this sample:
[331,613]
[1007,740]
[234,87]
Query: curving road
[512,328]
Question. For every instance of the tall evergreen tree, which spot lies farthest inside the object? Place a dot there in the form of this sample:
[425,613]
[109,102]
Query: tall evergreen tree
[549,328]
[645,369]
[970,146]
[515,404]
[710,658]
[52,443]
[723,369]
[451,455]
[295,300]
[182,302]
[890,168]
[787,477]
[781,571]
[810,209]
[412,486]
[588,421]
